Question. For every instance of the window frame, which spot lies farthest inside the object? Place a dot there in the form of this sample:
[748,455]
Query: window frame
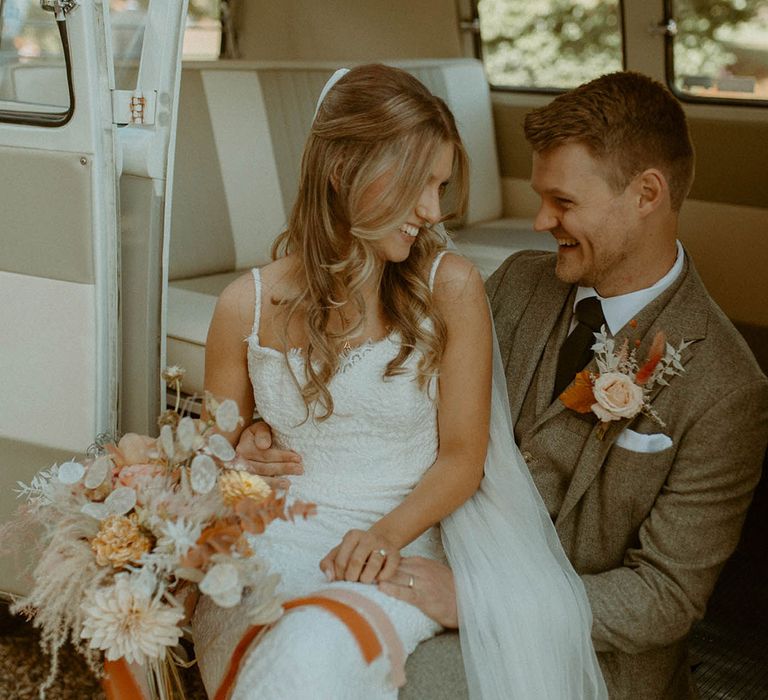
[48,119]
[532,90]
[669,66]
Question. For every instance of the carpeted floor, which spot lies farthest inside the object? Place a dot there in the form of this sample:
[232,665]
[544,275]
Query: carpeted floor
[731,643]
[729,647]
[23,668]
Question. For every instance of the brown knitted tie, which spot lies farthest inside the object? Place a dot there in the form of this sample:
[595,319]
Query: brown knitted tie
[576,351]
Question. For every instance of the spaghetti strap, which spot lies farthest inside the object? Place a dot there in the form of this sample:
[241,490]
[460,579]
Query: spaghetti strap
[256,303]
[433,271]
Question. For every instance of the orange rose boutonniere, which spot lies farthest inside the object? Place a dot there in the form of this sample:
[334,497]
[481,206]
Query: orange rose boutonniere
[621,387]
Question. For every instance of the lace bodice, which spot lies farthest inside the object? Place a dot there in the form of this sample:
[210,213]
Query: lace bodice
[377,444]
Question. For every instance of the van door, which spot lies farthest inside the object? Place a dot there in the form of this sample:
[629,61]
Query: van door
[70,273]
[58,229]
[147,48]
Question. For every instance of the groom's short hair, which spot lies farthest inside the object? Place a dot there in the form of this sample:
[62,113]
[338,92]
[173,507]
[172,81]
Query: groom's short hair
[628,121]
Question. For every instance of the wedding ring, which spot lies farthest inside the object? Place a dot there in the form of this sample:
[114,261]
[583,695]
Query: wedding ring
[410,582]
[383,552]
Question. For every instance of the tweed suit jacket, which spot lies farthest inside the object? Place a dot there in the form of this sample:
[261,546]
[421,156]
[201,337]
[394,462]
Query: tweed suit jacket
[648,533]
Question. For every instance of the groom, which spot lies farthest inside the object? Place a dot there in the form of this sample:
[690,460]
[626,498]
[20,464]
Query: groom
[647,512]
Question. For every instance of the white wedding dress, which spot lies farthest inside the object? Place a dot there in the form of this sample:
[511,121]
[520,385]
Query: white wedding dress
[358,465]
[524,616]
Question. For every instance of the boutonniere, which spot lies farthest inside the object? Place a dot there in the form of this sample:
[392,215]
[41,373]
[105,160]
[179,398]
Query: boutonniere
[621,387]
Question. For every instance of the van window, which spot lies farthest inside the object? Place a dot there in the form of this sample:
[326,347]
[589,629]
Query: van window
[202,33]
[720,50]
[549,44]
[33,75]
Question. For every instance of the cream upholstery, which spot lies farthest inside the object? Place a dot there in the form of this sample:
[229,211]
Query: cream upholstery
[241,131]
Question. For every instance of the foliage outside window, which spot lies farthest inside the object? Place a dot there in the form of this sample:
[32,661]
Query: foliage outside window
[202,34]
[549,43]
[721,48]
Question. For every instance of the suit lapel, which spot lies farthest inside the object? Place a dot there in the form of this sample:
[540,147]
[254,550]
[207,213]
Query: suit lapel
[546,408]
[548,366]
[543,312]
[681,312]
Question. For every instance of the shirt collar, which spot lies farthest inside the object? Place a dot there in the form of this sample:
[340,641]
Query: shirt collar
[619,310]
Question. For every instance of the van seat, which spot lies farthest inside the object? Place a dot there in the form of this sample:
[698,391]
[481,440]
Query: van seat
[241,132]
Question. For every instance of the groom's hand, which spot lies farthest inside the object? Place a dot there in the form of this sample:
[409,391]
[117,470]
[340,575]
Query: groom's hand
[428,585]
[256,453]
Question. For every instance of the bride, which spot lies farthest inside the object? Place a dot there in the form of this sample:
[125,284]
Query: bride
[368,349]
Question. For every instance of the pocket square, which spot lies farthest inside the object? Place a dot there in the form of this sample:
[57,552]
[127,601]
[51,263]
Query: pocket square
[640,442]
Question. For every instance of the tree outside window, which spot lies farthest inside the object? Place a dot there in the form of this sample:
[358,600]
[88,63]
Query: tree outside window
[721,48]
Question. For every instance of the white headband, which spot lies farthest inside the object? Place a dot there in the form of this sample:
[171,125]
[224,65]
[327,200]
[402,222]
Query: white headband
[338,75]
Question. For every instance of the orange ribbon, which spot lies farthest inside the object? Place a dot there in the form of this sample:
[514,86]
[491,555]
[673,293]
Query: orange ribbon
[359,627]
[118,682]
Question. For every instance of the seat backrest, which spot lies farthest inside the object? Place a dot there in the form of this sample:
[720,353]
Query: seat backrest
[242,128]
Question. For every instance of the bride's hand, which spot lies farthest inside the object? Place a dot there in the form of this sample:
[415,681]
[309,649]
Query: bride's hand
[363,556]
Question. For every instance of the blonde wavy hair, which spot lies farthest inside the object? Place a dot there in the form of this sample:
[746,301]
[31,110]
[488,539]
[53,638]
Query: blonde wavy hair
[376,122]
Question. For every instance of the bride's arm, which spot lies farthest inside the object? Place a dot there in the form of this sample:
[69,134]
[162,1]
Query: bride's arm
[463,416]
[226,365]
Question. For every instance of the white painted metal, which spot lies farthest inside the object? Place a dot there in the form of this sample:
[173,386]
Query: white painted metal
[48,384]
[147,151]
[158,84]
[89,136]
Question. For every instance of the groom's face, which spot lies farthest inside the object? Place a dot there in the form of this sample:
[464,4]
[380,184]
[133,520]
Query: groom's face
[596,228]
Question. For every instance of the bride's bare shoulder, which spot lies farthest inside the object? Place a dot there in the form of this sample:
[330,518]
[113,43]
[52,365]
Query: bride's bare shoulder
[276,277]
[454,277]
[236,305]
[279,278]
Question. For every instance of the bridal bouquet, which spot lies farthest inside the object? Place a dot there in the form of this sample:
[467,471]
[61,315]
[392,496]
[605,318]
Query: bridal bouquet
[139,527]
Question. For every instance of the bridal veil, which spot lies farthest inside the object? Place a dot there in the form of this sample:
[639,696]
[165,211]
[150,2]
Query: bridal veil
[524,617]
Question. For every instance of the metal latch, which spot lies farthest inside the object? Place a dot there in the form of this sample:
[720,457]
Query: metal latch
[131,107]
[60,8]
[666,28]
[471,26]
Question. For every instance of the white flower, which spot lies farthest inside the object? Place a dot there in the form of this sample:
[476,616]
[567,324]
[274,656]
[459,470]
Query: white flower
[71,472]
[221,447]
[98,471]
[227,416]
[121,500]
[96,510]
[166,440]
[178,536]
[172,374]
[203,473]
[186,433]
[125,622]
[263,605]
[223,585]
[616,396]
